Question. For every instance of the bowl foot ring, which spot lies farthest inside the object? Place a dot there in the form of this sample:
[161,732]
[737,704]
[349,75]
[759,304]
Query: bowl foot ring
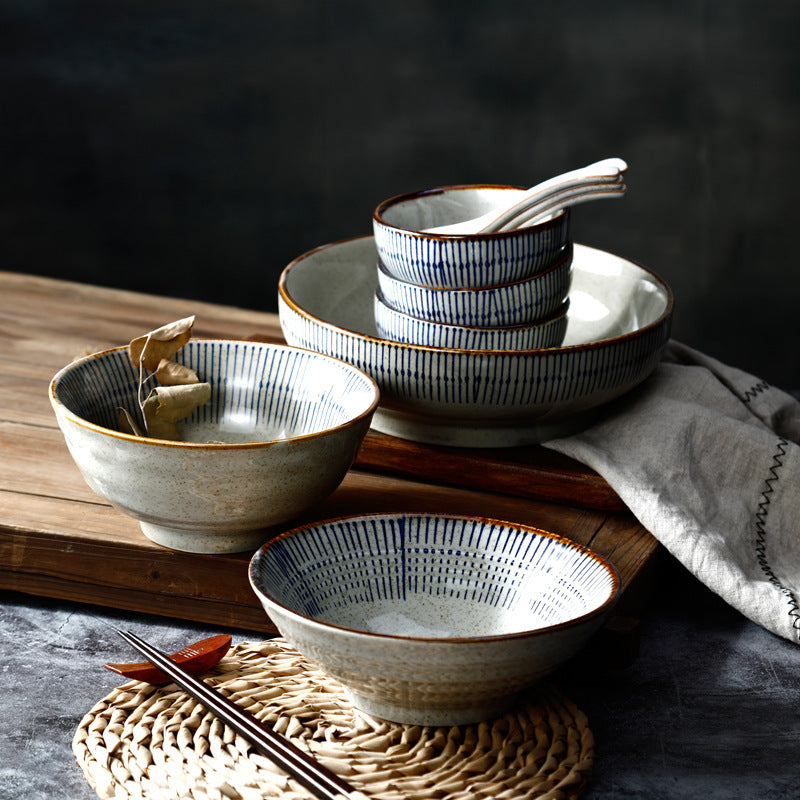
[189,541]
[146,742]
[477,432]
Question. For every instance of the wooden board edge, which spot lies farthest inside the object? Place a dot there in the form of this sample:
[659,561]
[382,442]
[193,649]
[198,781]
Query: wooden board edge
[133,577]
[191,609]
[554,480]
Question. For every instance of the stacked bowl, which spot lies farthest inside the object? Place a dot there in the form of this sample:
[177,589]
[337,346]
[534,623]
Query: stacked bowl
[482,291]
[480,385]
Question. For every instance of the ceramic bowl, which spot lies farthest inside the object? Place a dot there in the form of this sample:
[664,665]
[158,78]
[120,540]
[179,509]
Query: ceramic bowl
[457,262]
[400,327]
[278,435]
[519,303]
[618,323]
[428,619]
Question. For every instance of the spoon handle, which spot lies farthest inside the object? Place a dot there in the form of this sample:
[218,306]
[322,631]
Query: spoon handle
[533,214]
[609,170]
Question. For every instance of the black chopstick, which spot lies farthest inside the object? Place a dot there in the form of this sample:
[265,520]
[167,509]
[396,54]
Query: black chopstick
[319,780]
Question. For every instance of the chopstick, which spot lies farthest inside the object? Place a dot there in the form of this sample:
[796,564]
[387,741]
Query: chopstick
[319,780]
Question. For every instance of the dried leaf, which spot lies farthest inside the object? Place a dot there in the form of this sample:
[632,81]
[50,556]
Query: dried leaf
[170,373]
[127,424]
[157,428]
[179,391]
[174,403]
[163,342]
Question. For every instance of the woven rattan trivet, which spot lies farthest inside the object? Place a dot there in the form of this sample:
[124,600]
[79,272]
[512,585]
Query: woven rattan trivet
[144,742]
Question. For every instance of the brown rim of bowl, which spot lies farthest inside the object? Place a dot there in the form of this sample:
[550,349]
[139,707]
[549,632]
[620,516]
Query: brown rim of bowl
[283,294]
[596,557]
[401,198]
[77,420]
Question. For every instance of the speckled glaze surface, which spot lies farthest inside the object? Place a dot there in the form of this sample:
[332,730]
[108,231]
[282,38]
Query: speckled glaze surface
[401,327]
[428,619]
[462,261]
[278,435]
[618,323]
[519,303]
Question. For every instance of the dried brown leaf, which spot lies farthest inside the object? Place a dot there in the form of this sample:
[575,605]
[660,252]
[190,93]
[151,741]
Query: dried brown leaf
[170,373]
[179,391]
[161,343]
[159,428]
[174,403]
[127,424]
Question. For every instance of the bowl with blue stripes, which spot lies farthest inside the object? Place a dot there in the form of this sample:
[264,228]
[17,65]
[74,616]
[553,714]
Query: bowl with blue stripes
[522,302]
[449,261]
[618,323]
[279,433]
[401,327]
[432,619]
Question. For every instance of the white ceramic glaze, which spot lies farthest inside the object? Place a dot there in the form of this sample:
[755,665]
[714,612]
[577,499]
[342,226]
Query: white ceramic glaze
[428,619]
[603,177]
[400,327]
[618,323]
[559,201]
[520,303]
[278,435]
[468,261]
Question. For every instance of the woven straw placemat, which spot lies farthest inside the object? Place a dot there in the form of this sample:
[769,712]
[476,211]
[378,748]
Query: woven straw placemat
[159,743]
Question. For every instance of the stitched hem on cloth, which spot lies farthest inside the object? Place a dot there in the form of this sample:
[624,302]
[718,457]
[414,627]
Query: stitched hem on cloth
[761,536]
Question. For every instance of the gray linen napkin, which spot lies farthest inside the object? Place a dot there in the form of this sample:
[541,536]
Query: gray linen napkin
[707,458]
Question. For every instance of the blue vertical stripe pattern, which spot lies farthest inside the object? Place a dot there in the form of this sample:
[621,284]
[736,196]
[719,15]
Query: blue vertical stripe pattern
[492,387]
[471,261]
[267,385]
[518,303]
[451,382]
[401,327]
[320,569]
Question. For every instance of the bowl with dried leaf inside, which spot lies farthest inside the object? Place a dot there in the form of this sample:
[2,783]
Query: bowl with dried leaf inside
[210,443]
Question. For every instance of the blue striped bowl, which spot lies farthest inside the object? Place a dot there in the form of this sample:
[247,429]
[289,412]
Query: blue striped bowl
[618,323]
[278,435]
[457,262]
[430,619]
[519,303]
[400,327]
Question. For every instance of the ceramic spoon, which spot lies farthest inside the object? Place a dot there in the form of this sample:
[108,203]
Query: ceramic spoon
[563,199]
[607,172]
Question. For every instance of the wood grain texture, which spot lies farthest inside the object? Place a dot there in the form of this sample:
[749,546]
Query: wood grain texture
[58,539]
[530,471]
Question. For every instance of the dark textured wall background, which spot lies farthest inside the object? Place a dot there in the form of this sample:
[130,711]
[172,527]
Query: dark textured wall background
[194,148]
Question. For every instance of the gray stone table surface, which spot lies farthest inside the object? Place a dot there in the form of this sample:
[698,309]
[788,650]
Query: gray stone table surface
[710,708]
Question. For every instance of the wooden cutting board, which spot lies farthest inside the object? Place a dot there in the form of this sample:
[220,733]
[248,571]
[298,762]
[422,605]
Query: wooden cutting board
[58,539]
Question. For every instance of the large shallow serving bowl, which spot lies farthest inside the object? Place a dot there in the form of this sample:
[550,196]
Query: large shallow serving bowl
[430,619]
[519,303]
[469,261]
[618,323]
[393,324]
[279,433]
